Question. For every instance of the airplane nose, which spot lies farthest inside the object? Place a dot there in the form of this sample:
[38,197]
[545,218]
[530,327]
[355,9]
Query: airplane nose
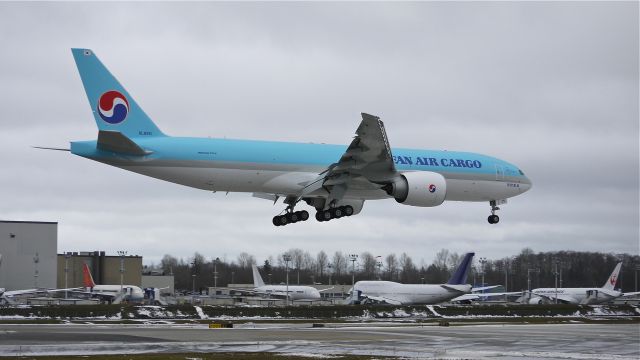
[526,184]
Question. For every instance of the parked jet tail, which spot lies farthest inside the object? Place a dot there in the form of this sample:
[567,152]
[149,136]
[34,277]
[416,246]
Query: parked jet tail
[613,279]
[87,278]
[460,276]
[112,106]
[257,279]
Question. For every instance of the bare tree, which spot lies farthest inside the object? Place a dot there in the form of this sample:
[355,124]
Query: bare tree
[321,262]
[392,265]
[407,266]
[339,263]
[441,259]
[245,260]
[368,264]
[168,264]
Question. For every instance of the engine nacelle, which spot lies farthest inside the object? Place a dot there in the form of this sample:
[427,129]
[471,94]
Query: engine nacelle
[536,301]
[419,188]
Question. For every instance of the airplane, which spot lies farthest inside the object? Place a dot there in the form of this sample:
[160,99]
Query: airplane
[295,292]
[132,293]
[336,180]
[394,293]
[587,296]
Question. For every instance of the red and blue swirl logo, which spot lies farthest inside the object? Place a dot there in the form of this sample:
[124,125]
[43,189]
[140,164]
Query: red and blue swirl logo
[113,107]
[432,188]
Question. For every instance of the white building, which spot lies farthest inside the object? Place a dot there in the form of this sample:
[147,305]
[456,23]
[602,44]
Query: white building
[28,250]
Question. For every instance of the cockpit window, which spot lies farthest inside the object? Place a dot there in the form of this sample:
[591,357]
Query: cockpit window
[520,171]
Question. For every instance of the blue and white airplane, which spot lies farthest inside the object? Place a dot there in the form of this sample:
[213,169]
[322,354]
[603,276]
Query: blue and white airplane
[334,179]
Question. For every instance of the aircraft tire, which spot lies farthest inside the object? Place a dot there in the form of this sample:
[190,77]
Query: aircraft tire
[275,221]
[304,215]
[293,217]
[282,220]
[327,215]
[348,210]
[337,213]
[319,216]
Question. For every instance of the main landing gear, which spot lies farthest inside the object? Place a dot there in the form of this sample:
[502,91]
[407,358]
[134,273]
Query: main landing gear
[290,217]
[334,213]
[493,218]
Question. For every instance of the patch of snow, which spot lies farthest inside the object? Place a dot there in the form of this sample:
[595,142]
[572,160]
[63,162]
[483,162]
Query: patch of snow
[201,313]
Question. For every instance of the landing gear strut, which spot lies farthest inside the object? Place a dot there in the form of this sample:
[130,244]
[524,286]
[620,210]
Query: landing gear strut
[493,218]
[334,213]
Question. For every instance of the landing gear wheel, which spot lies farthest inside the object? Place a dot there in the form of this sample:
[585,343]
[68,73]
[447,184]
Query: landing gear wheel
[303,215]
[348,210]
[337,213]
[292,217]
[493,219]
[275,221]
[319,216]
[327,215]
[282,220]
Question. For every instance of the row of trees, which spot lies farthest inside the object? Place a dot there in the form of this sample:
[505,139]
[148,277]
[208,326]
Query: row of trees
[570,268]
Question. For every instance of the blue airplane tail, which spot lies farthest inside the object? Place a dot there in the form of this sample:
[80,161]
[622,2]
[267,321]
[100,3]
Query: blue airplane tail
[460,276]
[113,108]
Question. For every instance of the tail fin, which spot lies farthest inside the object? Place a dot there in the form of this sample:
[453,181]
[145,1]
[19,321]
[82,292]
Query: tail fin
[460,276]
[113,108]
[613,279]
[257,279]
[87,278]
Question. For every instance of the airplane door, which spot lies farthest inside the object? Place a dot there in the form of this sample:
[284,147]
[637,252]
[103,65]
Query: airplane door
[499,172]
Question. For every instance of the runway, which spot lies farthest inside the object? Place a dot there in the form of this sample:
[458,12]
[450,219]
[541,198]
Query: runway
[544,341]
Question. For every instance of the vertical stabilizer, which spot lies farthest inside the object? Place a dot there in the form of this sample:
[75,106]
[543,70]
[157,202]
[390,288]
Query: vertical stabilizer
[613,279]
[257,279]
[86,276]
[460,276]
[113,107]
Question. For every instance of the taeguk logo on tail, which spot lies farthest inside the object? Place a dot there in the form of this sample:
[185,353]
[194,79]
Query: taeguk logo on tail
[432,188]
[113,107]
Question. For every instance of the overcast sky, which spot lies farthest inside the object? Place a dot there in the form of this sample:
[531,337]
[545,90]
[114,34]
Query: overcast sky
[552,88]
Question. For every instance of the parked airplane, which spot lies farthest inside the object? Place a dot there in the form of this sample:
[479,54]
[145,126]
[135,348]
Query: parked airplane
[295,292]
[334,179]
[588,295]
[131,293]
[409,294]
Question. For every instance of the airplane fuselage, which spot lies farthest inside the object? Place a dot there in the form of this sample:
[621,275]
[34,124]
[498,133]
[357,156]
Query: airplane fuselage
[574,295]
[296,292]
[410,294]
[284,167]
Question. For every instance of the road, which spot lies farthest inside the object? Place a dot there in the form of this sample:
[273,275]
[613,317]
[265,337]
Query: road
[543,341]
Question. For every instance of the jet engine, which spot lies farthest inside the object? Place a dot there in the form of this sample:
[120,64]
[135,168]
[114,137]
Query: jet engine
[420,188]
[536,301]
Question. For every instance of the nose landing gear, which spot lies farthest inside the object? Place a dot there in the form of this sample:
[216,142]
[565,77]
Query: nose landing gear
[493,218]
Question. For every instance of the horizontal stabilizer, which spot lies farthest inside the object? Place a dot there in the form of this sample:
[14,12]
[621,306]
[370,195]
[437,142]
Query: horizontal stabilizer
[117,142]
[50,148]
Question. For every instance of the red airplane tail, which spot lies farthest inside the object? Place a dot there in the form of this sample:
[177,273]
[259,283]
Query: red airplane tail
[87,278]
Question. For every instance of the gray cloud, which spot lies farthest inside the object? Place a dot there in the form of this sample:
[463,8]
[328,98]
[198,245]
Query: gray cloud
[550,87]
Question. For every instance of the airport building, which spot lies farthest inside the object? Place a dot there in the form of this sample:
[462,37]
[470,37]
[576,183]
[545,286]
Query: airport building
[28,250]
[105,269]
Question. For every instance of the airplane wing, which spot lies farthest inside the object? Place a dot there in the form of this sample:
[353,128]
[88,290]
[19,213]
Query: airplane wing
[630,294]
[382,299]
[484,288]
[366,163]
[323,290]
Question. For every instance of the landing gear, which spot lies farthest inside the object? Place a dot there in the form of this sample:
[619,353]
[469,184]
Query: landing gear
[290,217]
[493,218]
[334,213]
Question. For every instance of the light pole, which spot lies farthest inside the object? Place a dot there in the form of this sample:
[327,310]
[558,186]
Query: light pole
[329,269]
[379,265]
[287,258]
[353,258]
[122,254]
[555,275]
[67,255]
[482,261]
[215,276]
[36,260]
[529,271]
[270,279]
